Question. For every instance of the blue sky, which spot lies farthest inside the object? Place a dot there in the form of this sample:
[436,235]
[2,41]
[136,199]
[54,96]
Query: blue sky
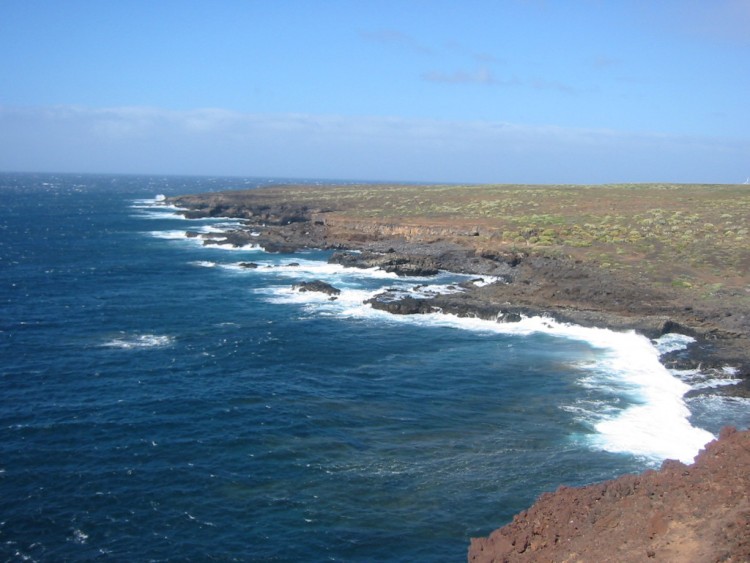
[577,91]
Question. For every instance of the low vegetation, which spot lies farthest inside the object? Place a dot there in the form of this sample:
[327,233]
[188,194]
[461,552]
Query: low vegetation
[686,236]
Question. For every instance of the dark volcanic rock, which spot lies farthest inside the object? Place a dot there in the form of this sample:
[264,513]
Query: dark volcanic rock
[685,513]
[238,205]
[404,306]
[393,262]
[234,238]
[317,285]
[248,265]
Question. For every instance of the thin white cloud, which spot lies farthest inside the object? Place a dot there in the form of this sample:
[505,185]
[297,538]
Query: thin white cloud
[215,141]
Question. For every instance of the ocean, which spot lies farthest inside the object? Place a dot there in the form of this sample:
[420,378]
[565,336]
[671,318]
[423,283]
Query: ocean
[161,402]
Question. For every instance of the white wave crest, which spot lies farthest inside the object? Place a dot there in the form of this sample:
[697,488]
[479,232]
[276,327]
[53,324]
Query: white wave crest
[671,342]
[652,423]
[656,425]
[169,235]
[162,212]
[343,304]
[231,247]
[139,341]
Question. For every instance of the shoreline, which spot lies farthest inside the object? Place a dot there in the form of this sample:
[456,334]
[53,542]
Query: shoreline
[566,289]
[633,517]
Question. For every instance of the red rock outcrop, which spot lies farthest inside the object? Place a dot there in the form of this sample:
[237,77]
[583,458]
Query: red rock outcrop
[682,513]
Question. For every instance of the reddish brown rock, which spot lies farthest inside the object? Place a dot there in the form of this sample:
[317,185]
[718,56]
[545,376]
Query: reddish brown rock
[682,513]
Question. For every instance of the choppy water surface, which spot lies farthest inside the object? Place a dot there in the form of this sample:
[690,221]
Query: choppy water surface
[160,402]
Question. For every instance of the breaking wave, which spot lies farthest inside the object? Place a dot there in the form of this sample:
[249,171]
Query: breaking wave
[139,341]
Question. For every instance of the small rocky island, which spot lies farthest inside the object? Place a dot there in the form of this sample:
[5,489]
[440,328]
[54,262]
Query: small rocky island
[655,258]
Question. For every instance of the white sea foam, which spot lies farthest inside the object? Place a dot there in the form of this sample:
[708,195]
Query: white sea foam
[231,247]
[139,341]
[169,235]
[214,228]
[328,272]
[653,419]
[712,379]
[656,425]
[162,212]
[200,240]
[671,342]
[204,263]
[148,203]
[304,270]
[718,407]
[348,303]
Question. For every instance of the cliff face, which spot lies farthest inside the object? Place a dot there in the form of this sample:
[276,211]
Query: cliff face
[681,513]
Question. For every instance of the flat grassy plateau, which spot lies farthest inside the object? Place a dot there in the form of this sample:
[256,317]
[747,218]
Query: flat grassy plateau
[691,237]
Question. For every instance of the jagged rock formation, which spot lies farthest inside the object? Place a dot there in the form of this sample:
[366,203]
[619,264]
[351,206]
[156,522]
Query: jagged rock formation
[318,286]
[393,262]
[682,513]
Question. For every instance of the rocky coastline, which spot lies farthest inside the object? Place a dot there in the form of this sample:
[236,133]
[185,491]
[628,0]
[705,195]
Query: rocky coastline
[680,513]
[563,288]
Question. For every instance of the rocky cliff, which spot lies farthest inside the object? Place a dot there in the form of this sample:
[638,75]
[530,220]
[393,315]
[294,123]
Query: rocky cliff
[681,513]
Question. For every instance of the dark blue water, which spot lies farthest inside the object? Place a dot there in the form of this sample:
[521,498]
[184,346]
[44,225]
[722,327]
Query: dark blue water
[161,403]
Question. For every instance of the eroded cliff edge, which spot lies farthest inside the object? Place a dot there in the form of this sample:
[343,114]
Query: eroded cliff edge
[682,513]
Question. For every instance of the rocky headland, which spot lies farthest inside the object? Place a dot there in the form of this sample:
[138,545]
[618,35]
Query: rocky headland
[611,258]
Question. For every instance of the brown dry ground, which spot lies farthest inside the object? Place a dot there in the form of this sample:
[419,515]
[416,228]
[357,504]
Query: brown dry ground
[680,251]
[684,514]
[692,237]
